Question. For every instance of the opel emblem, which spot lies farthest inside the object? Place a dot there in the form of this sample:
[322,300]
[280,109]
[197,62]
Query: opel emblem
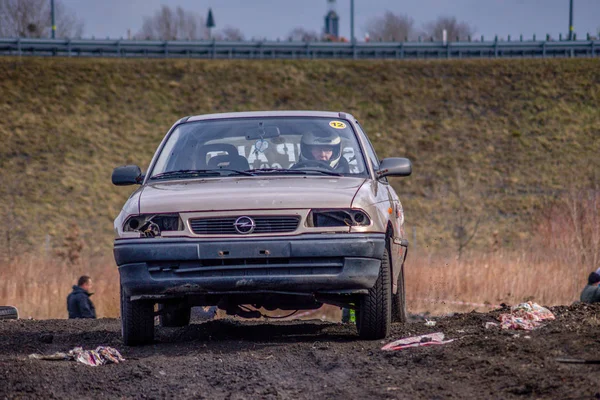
[244,225]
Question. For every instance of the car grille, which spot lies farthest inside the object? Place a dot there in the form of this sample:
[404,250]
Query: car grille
[225,225]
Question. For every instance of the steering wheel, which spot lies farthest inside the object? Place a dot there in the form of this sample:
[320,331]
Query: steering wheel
[312,164]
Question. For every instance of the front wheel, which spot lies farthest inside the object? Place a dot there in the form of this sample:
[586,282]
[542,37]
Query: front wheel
[375,312]
[137,321]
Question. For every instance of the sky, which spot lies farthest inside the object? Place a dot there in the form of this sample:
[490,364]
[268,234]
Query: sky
[272,19]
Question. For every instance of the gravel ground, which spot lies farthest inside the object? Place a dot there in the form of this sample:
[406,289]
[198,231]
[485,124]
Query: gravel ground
[307,359]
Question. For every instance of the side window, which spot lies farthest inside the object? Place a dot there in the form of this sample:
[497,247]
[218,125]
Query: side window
[370,151]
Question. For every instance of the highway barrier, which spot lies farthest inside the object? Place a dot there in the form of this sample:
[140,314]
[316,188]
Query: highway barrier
[297,50]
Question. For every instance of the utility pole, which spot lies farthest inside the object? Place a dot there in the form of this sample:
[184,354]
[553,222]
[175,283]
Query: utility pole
[53,20]
[352,21]
[571,20]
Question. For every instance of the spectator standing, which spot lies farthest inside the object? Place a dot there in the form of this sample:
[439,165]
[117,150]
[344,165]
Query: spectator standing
[79,304]
[591,292]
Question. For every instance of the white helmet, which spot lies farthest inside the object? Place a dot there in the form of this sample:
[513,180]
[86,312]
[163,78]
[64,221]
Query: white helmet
[321,139]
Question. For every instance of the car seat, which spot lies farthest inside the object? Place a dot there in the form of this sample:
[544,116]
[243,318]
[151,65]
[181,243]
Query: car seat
[205,151]
[229,161]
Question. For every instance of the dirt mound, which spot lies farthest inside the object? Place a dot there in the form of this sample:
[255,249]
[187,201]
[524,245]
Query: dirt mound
[293,359]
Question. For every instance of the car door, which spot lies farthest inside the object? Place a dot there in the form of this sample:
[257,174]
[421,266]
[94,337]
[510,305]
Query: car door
[390,205]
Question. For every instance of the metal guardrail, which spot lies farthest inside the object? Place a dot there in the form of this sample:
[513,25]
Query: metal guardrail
[297,50]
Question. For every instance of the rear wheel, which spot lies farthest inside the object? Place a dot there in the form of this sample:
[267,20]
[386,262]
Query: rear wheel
[137,321]
[174,315]
[399,300]
[375,309]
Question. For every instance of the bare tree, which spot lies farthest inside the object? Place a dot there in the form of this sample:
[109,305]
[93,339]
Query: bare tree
[23,18]
[302,35]
[67,23]
[13,234]
[72,245]
[462,211]
[173,24]
[568,226]
[391,27]
[454,29]
[13,240]
[466,218]
[32,19]
[229,33]
[584,211]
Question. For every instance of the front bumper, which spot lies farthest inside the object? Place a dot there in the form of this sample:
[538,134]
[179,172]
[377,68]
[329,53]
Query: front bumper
[306,264]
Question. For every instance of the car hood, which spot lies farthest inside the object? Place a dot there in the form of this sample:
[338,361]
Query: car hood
[249,193]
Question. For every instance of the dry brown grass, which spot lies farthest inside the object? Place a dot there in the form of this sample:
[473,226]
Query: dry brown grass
[438,282]
[39,286]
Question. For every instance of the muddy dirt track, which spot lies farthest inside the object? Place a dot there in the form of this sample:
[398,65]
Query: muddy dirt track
[307,360]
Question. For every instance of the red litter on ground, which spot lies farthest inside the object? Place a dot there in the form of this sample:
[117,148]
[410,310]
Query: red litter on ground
[525,316]
[430,339]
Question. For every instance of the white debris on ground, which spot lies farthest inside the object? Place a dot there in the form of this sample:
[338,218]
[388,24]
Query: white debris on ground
[100,356]
[525,316]
[429,339]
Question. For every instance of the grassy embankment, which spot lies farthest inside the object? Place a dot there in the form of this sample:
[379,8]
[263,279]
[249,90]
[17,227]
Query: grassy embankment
[491,141]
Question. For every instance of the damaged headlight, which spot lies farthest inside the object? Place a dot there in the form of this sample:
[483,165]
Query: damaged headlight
[151,225]
[337,217]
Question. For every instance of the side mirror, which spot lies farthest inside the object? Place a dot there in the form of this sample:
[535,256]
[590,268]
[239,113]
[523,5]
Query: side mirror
[127,175]
[394,167]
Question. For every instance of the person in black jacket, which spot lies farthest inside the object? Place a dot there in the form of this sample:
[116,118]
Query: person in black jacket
[591,293]
[79,304]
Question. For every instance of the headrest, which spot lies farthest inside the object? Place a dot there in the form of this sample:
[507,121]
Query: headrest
[230,149]
[236,162]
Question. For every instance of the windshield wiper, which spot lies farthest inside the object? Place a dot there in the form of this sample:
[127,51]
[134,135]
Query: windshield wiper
[323,171]
[266,170]
[302,171]
[191,172]
[237,171]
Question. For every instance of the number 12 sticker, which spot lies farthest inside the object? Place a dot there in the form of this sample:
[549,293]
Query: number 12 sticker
[337,124]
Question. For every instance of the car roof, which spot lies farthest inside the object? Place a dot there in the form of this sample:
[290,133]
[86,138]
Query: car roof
[258,114]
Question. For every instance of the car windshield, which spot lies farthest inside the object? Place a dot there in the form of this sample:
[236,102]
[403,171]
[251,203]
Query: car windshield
[260,146]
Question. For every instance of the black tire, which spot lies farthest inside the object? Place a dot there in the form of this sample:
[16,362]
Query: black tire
[174,315]
[8,312]
[374,314]
[137,321]
[399,300]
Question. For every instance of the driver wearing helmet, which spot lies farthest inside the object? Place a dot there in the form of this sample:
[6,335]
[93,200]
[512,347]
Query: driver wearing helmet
[324,147]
